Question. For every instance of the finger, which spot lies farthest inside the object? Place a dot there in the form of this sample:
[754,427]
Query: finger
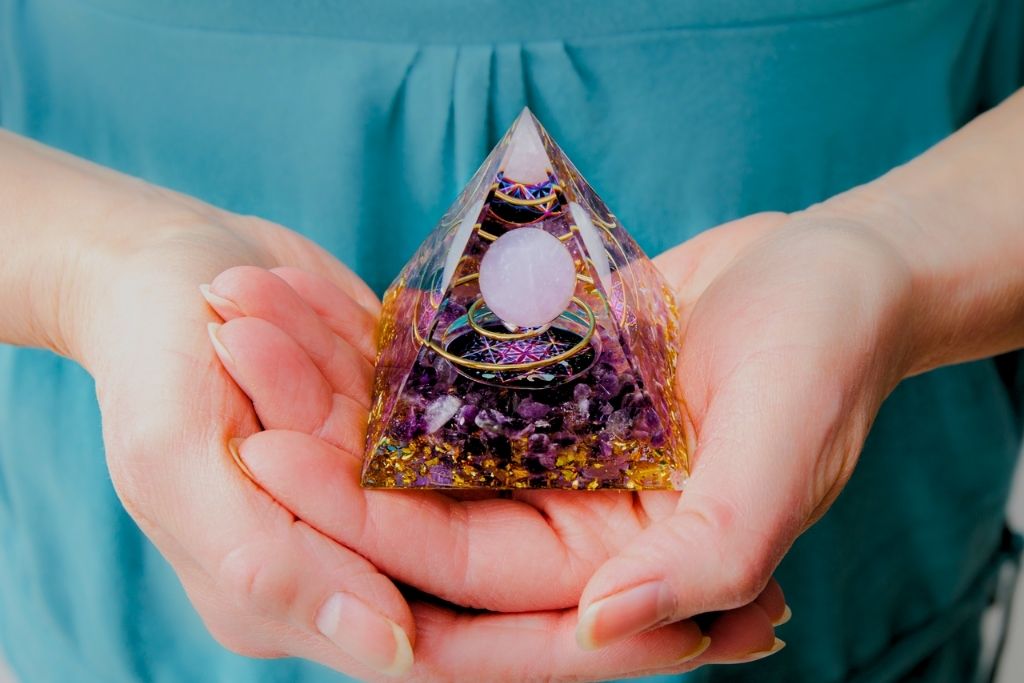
[198,506]
[539,646]
[302,254]
[744,634]
[494,554]
[773,602]
[348,317]
[285,386]
[297,576]
[249,632]
[745,502]
[348,283]
[252,291]
[259,603]
[735,636]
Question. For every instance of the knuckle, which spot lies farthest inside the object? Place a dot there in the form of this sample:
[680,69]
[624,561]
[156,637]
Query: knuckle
[255,579]
[235,630]
[743,579]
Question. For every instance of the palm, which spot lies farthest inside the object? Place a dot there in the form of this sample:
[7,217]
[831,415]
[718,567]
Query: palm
[510,557]
[295,396]
[299,342]
[168,413]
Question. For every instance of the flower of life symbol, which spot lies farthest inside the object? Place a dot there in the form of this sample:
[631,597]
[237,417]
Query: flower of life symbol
[506,352]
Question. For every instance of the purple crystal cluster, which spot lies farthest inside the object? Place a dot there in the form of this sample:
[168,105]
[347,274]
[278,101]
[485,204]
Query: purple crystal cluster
[601,425]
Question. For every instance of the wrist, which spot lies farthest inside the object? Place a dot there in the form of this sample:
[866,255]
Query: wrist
[869,275]
[956,216]
[963,265]
[110,268]
[66,226]
[881,213]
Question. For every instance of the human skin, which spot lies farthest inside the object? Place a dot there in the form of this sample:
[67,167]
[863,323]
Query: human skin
[920,268]
[105,270]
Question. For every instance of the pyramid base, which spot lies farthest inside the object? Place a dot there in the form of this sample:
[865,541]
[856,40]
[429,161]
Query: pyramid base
[423,464]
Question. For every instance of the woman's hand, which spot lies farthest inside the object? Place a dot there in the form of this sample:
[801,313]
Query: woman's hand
[268,584]
[797,328]
[795,331]
[279,353]
[264,583]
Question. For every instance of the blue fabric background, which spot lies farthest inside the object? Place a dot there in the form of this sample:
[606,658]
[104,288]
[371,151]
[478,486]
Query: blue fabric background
[356,123]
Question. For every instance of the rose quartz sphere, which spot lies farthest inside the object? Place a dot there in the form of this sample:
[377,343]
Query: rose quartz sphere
[527,277]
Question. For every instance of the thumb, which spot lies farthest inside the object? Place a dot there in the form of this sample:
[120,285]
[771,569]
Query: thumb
[691,266]
[746,501]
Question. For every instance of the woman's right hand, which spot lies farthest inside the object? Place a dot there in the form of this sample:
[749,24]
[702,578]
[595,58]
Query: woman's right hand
[266,583]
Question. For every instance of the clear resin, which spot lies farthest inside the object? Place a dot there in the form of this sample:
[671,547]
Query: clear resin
[565,381]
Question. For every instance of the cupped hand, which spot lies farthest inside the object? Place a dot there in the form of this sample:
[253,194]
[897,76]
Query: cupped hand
[258,578]
[792,339]
[279,353]
[795,331]
[265,583]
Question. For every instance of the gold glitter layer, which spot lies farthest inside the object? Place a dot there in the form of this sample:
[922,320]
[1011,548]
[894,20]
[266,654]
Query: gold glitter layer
[400,466]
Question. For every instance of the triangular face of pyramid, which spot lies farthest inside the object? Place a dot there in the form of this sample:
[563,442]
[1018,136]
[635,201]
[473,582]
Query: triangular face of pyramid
[529,343]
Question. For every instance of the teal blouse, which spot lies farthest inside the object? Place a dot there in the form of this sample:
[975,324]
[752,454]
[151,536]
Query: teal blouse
[357,122]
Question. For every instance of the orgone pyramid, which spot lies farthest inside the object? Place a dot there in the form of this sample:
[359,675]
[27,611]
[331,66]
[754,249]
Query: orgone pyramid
[529,343]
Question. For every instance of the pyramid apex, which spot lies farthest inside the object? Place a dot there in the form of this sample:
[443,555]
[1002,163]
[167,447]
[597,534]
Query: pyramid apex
[526,160]
[524,113]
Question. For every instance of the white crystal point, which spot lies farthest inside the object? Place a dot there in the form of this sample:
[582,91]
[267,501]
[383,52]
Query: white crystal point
[527,277]
[527,160]
[458,245]
[592,241]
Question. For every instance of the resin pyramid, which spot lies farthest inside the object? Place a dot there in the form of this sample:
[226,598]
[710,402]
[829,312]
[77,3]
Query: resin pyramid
[529,343]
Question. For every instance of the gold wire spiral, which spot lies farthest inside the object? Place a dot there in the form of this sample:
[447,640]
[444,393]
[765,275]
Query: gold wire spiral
[471,313]
[504,336]
[546,199]
[509,367]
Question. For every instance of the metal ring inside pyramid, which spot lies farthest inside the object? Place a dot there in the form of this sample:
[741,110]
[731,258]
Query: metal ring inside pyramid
[509,367]
[504,336]
[527,202]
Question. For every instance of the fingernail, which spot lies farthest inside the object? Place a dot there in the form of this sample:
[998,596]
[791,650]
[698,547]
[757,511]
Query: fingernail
[365,635]
[754,656]
[218,346]
[787,614]
[701,648]
[234,448]
[625,614]
[226,308]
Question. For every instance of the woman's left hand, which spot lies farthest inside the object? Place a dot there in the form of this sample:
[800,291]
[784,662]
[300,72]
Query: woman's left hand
[795,331]
[797,328]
